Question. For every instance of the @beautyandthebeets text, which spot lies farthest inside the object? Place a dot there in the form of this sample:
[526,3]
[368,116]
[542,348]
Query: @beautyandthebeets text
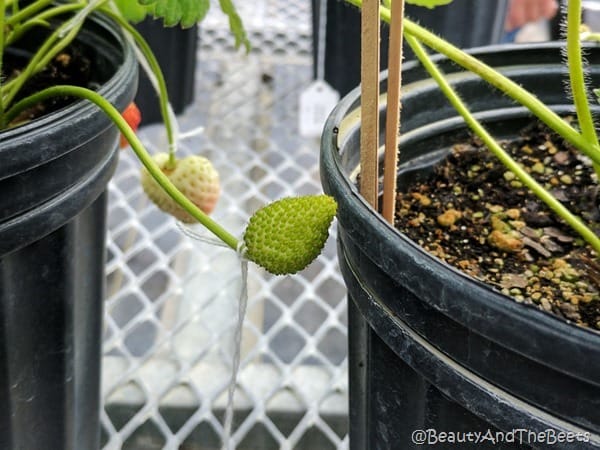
[432,436]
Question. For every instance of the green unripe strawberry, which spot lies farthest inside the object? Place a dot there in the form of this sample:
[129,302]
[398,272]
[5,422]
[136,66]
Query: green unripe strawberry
[287,235]
[194,176]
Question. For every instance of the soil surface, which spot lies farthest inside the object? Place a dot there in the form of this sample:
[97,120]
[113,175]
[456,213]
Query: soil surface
[68,67]
[474,214]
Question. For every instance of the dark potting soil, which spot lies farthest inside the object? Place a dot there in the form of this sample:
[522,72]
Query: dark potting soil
[70,66]
[474,214]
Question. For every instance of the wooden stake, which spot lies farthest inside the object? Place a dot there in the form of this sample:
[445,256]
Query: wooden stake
[392,126]
[369,75]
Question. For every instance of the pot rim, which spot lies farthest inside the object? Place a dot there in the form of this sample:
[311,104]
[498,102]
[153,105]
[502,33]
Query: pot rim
[579,342]
[55,166]
[73,115]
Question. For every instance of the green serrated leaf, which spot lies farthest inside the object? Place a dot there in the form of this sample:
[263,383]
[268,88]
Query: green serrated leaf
[429,3]
[188,12]
[132,10]
[235,24]
[178,12]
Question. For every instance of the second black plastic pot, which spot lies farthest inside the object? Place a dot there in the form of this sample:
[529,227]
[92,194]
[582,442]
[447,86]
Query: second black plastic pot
[175,50]
[53,177]
[465,23]
[431,348]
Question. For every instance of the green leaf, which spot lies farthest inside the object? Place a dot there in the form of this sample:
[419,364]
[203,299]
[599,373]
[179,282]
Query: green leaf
[188,12]
[132,10]
[428,3]
[287,235]
[178,12]
[235,24]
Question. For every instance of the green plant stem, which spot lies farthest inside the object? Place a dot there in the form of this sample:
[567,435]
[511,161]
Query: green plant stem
[496,79]
[576,74]
[497,150]
[508,87]
[2,44]
[40,20]
[136,145]
[54,44]
[49,49]
[27,12]
[163,95]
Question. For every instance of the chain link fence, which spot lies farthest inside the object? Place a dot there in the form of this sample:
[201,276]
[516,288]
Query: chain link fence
[172,301]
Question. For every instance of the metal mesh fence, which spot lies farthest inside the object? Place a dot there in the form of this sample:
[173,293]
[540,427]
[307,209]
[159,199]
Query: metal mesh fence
[172,301]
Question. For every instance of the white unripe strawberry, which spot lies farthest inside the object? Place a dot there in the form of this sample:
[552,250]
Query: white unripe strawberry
[194,176]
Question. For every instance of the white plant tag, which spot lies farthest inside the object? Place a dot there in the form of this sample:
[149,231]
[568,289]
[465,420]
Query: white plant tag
[316,102]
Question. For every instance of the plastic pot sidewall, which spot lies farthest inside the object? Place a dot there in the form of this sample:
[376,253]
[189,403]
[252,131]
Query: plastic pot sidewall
[397,286]
[45,160]
[54,171]
[175,49]
[465,23]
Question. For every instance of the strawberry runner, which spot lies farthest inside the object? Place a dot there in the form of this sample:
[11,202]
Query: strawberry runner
[237,338]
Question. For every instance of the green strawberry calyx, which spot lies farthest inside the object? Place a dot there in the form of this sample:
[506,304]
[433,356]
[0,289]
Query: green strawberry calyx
[287,235]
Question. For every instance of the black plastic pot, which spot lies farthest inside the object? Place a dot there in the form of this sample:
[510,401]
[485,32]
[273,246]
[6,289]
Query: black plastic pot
[53,177]
[175,50]
[465,23]
[431,348]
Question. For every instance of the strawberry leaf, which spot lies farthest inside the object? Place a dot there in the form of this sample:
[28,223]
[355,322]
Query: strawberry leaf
[132,10]
[429,3]
[235,24]
[188,12]
[178,12]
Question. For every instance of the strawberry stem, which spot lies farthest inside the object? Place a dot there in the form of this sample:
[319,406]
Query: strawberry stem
[2,20]
[556,206]
[53,45]
[577,77]
[40,19]
[163,96]
[28,11]
[496,79]
[137,147]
